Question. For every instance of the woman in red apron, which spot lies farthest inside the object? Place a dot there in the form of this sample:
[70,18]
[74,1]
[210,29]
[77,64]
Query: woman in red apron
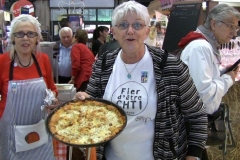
[24,77]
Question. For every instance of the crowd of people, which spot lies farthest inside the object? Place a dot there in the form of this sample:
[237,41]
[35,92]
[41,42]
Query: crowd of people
[174,95]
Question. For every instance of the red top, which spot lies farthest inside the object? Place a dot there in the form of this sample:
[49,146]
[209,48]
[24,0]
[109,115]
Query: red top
[20,73]
[82,61]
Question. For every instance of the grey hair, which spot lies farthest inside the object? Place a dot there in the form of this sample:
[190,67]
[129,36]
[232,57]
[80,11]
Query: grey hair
[65,29]
[219,13]
[25,18]
[130,7]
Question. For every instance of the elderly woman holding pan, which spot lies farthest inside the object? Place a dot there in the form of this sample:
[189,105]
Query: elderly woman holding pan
[153,88]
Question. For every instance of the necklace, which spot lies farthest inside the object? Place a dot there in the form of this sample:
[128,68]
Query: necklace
[129,76]
[21,63]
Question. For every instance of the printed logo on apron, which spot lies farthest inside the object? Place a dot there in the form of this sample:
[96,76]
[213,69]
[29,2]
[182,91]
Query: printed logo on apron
[27,137]
[30,136]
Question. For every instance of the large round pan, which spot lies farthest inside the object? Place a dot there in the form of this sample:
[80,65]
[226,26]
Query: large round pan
[87,145]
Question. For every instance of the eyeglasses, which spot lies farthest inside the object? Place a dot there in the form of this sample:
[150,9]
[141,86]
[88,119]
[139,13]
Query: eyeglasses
[28,34]
[125,25]
[233,28]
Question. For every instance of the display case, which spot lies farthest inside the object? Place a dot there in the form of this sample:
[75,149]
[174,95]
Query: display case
[47,47]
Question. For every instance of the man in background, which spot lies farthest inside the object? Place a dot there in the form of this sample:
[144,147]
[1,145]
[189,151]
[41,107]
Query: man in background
[64,63]
[63,23]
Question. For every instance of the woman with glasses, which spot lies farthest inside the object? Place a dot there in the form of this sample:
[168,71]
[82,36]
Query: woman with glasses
[158,97]
[203,57]
[25,77]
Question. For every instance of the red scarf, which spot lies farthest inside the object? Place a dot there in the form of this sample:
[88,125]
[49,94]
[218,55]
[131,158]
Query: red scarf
[190,37]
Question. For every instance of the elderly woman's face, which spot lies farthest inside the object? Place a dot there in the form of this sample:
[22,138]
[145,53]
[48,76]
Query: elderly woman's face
[27,43]
[131,33]
[225,30]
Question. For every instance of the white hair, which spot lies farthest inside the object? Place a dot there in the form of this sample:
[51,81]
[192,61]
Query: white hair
[65,29]
[24,18]
[130,7]
[221,12]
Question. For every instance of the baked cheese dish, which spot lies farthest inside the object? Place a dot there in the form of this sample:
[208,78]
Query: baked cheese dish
[86,122]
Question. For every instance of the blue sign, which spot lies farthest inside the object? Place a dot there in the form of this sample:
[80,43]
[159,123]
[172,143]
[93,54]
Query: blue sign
[24,10]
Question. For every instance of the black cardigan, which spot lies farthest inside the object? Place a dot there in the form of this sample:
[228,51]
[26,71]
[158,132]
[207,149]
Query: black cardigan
[178,106]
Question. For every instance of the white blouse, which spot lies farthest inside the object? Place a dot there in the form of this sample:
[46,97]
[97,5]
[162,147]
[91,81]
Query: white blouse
[204,67]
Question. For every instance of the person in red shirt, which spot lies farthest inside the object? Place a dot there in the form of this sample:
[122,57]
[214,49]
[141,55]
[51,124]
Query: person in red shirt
[25,78]
[82,61]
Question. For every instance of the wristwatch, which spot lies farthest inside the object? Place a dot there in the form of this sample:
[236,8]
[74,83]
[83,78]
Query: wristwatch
[197,158]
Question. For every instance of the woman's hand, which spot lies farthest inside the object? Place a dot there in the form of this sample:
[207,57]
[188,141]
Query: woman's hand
[71,81]
[54,104]
[81,95]
[233,73]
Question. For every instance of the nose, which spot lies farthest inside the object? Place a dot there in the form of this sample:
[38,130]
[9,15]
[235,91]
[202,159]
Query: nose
[130,29]
[235,33]
[25,36]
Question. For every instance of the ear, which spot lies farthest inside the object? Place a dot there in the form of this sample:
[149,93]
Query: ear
[114,33]
[111,29]
[213,24]
[147,32]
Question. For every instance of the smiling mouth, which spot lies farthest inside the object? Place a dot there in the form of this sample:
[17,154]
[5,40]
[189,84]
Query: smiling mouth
[25,45]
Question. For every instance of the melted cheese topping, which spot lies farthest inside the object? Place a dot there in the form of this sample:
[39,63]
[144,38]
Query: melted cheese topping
[87,123]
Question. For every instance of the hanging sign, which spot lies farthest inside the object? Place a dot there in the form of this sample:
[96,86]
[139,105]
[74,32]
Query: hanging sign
[78,3]
[17,6]
[24,10]
[181,14]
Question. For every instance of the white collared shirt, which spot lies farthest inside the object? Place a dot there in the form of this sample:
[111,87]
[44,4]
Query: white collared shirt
[204,68]
[65,63]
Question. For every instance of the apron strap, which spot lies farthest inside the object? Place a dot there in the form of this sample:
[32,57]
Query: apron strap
[37,65]
[12,66]
[11,70]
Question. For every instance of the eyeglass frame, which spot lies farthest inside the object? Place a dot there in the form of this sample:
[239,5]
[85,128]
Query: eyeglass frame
[132,25]
[25,34]
[233,28]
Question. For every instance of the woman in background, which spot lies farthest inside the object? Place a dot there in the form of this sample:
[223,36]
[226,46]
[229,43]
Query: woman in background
[99,37]
[202,55]
[82,61]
